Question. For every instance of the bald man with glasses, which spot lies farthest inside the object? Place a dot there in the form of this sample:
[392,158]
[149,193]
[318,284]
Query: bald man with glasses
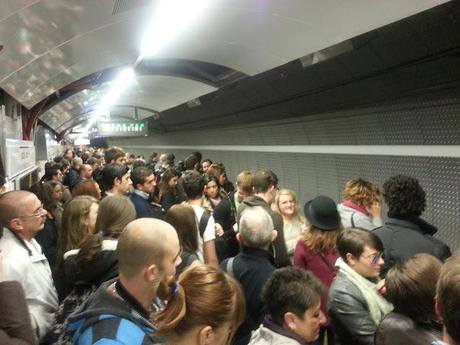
[22,216]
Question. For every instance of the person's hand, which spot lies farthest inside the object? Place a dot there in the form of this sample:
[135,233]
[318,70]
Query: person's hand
[375,211]
[219,230]
[380,286]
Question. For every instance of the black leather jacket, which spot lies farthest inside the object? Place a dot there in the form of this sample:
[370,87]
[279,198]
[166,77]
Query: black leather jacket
[398,329]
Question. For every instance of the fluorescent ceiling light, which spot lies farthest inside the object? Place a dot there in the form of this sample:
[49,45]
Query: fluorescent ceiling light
[170,18]
[119,85]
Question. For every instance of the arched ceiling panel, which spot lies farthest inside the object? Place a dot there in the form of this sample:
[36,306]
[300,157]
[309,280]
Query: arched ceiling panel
[163,92]
[152,92]
[49,44]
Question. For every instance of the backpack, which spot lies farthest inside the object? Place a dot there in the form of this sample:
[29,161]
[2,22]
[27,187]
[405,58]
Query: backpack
[59,333]
[203,222]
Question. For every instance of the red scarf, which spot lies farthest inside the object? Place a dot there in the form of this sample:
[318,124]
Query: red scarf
[359,208]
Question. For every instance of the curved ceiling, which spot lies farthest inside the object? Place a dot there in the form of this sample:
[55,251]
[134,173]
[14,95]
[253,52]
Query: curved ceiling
[50,44]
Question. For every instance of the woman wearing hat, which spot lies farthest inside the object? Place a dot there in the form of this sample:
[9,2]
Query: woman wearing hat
[316,250]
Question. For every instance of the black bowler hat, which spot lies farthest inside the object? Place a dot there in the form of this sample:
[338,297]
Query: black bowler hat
[321,212]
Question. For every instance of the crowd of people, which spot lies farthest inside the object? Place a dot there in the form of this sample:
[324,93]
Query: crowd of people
[112,248]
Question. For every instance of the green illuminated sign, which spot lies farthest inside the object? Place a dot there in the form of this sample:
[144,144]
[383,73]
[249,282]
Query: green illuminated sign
[122,128]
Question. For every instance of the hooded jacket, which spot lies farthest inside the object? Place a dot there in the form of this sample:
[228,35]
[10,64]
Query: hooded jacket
[279,250]
[106,318]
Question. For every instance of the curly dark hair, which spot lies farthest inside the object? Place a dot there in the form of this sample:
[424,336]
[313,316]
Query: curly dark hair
[404,196]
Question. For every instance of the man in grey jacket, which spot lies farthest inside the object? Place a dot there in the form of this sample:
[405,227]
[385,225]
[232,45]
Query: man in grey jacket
[23,217]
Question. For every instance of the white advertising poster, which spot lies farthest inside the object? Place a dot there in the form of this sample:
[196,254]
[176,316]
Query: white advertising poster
[19,156]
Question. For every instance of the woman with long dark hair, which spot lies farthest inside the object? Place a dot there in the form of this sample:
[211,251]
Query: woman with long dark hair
[168,194]
[182,217]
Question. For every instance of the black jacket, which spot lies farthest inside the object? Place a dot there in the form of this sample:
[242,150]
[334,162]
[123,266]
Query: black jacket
[104,267]
[225,214]
[403,239]
[279,246]
[47,238]
[252,268]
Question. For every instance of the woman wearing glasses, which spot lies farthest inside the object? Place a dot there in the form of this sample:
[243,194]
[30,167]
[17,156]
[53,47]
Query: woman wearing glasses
[355,305]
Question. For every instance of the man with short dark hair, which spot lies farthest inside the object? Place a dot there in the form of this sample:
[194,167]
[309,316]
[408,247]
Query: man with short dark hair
[252,266]
[144,183]
[119,312]
[448,301]
[115,180]
[165,161]
[23,217]
[225,215]
[405,233]
[54,173]
[115,155]
[293,300]
[265,184]
[72,177]
[192,183]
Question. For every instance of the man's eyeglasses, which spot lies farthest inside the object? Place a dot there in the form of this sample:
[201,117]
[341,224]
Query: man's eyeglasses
[38,213]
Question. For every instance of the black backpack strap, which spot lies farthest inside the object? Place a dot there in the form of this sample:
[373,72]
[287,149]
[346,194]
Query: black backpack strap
[203,222]
[352,221]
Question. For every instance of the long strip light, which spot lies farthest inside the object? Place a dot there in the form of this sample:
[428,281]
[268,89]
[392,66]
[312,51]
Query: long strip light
[118,86]
[170,19]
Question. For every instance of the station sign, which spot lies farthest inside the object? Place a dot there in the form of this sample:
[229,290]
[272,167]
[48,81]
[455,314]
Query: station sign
[122,128]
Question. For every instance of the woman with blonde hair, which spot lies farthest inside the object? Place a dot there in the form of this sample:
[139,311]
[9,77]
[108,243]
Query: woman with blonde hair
[206,307]
[287,206]
[361,205]
[316,251]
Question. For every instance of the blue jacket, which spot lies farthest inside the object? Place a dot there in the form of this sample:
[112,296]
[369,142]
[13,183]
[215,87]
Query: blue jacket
[142,206]
[107,319]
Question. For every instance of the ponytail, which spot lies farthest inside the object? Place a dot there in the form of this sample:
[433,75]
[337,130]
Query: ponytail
[205,296]
[171,317]
[89,248]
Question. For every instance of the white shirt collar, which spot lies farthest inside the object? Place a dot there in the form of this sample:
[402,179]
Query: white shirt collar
[142,194]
